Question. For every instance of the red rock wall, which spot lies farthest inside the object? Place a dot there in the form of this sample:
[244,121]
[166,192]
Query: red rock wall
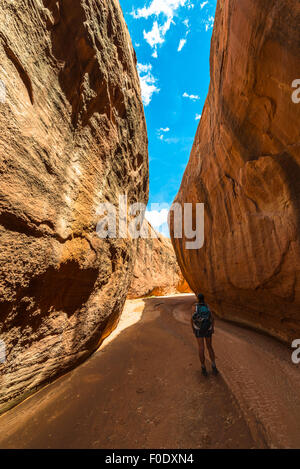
[244,166]
[72,135]
[156,271]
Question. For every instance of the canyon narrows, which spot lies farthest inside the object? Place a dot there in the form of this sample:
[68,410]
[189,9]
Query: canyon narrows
[74,162]
[73,135]
[244,166]
[156,271]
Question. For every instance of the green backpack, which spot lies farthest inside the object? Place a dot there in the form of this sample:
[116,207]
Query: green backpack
[202,318]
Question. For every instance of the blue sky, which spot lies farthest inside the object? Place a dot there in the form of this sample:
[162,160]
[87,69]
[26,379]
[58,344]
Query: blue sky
[172,43]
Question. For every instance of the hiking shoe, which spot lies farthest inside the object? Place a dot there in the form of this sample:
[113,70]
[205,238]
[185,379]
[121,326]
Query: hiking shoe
[204,371]
[215,370]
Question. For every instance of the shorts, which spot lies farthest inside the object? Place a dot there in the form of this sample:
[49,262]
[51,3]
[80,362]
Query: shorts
[200,334]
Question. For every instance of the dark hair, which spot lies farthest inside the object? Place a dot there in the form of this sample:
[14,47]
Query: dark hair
[200,298]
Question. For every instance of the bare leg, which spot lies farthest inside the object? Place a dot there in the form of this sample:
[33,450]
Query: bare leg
[201,350]
[210,349]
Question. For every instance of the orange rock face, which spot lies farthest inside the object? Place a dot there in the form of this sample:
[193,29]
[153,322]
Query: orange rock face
[244,166]
[72,135]
[156,271]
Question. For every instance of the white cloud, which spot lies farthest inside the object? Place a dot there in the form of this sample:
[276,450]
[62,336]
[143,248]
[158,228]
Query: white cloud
[163,11]
[202,5]
[181,44]
[157,218]
[164,130]
[172,140]
[144,68]
[198,117]
[193,97]
[158,7]
[209,23]
[156,35]
[148,82]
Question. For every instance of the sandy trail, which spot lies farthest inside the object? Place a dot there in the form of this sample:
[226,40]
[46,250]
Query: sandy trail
[143,389]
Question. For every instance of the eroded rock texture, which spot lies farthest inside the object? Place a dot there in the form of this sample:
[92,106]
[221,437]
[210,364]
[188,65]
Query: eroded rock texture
[72,135]
[156,271]
[244,166]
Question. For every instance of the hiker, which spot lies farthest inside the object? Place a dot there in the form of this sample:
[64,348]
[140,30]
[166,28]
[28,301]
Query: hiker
[203,327]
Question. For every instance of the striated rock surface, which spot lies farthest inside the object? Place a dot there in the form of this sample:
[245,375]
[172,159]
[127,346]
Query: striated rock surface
[156,271]
[244,166]
[72,135]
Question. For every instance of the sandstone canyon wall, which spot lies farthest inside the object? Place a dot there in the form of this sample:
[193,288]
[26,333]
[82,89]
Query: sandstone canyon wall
[156,271]
[244,166]
[72,135]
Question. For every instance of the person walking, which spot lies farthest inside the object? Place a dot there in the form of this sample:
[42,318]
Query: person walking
[203,325]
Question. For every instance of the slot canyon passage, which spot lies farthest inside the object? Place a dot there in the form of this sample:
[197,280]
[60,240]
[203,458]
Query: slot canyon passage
[99,351]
